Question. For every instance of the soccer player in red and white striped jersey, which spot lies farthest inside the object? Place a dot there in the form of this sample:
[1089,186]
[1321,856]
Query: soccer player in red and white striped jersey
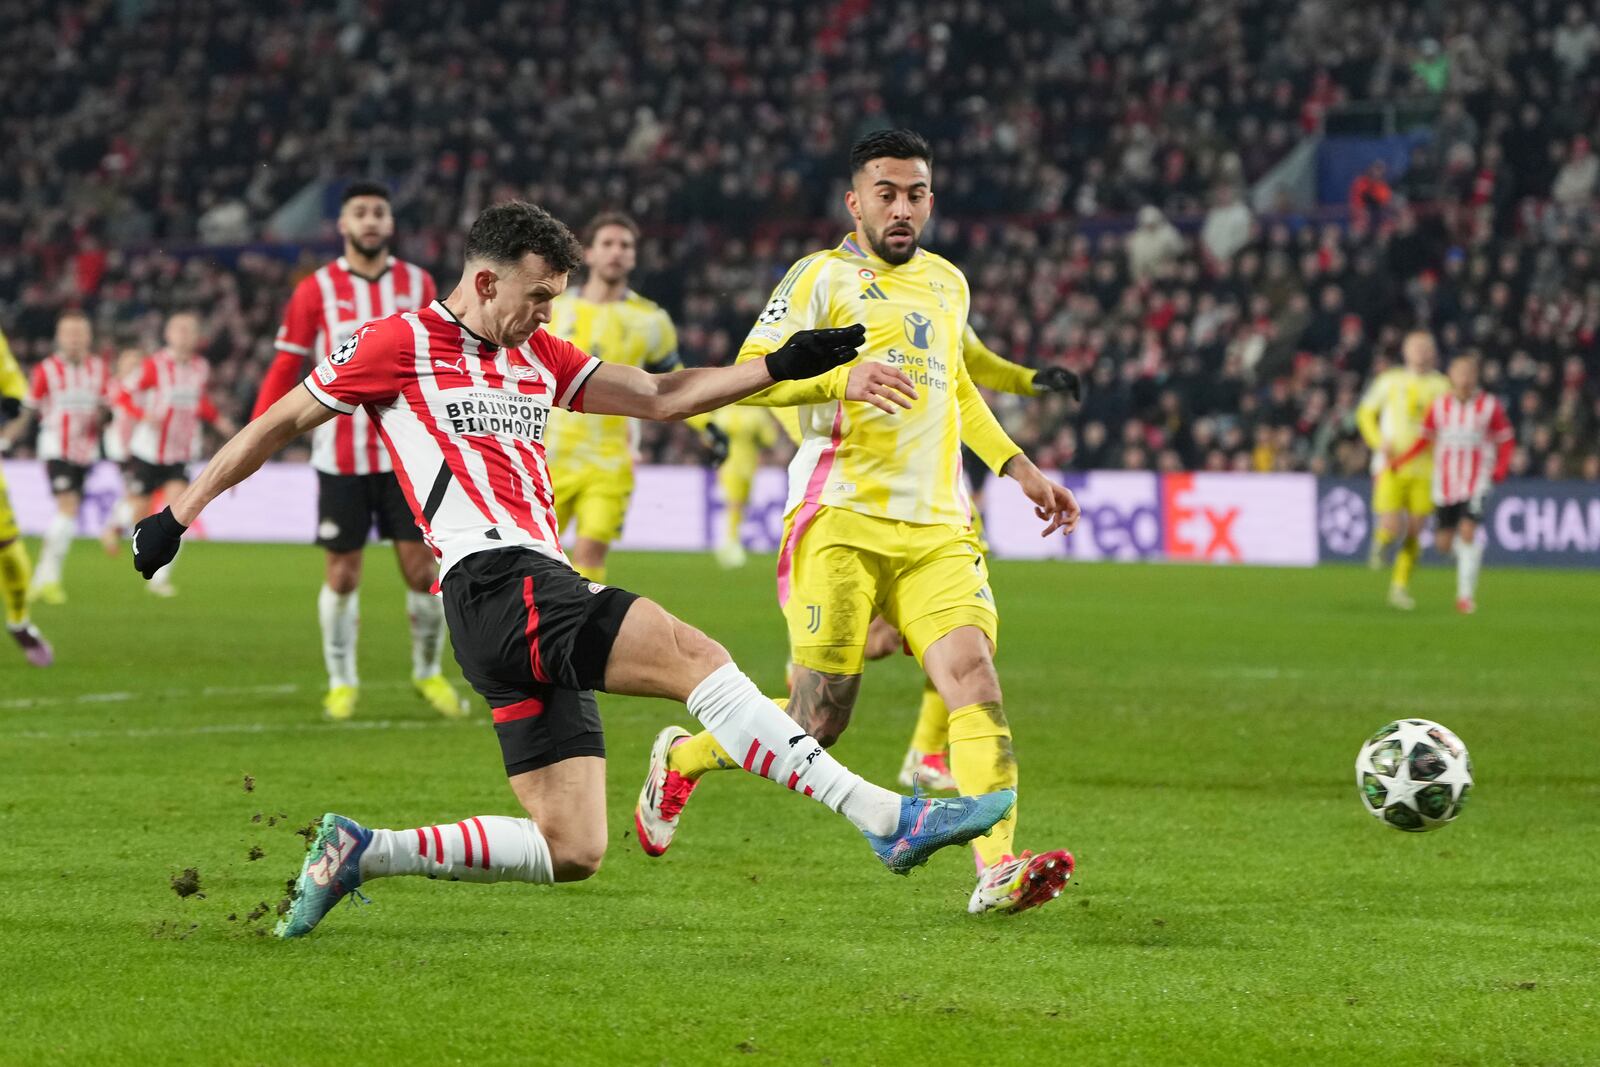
[67,394]
[356,487]
[1472,445]
[462,391]
[167,404]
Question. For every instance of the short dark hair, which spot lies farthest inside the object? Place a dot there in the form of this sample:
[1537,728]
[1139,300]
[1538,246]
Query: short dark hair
[592,228]
[893,144]
[506,232]
[363,187]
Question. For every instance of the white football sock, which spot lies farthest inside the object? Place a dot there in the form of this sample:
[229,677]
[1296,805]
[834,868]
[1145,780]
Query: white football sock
[53,549]
[1469,560]
[122,514]
[340,615]
[752,728]
[163,577]
[426,613]
[482,848]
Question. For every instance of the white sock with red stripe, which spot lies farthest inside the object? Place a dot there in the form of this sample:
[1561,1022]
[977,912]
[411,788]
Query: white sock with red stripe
[1469,560]
[340,615]
[484,848]
[750,726]
[426,613]
[53,549]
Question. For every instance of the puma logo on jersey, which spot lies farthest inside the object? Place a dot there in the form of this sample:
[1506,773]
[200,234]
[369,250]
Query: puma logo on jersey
[459,366]
[346,305]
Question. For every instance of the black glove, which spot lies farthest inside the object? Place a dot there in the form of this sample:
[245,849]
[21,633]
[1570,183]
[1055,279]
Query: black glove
[812,352]
[155,542]
[10,408]
[716,443]
[1057,380]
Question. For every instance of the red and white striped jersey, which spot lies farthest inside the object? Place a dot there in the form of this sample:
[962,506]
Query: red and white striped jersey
[69,398]
[118,433]
[326,309]
[169,401]
[1472,443]
[464,422]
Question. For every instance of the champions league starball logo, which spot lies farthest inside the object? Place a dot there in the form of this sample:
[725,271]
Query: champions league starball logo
[1342,520]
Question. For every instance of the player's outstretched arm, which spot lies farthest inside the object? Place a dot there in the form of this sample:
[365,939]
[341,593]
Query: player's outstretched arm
[615,390]
[155,539]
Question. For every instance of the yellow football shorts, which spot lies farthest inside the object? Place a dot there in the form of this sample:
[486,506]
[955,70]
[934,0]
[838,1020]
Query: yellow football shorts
[8,518]
[837,569]
[596,497]
[1400,491]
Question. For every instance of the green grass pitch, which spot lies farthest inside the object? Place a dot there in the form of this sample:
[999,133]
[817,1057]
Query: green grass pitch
[1188,732]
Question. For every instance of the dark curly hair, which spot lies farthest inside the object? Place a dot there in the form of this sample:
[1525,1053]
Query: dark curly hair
[893,144]
[506,232]
[363,187]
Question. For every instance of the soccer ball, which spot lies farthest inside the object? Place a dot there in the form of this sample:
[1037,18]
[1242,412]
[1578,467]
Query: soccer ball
[1414,775]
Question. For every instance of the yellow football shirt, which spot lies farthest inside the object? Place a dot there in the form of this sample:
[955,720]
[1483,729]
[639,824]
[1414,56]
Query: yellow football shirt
[904,466]
[632,331]
[13,383]
[1391,412]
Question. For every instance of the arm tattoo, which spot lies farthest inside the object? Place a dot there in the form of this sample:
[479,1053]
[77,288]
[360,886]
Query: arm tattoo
[821,703]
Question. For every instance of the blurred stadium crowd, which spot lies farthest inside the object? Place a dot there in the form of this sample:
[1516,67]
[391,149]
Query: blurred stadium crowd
[1092,159]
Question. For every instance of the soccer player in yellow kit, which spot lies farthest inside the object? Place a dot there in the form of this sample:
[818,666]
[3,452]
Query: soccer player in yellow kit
[750,431]
[15,570]
[878,522]
[591,456]
[926,761]
[1390,419]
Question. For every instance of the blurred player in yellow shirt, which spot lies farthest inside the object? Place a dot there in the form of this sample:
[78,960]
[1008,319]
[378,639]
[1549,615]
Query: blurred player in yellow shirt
[750,431]
[878,521]
[1390,419]
[15,570]
[591,456]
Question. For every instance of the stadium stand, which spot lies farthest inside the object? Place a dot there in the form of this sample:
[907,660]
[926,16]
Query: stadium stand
[1092,184]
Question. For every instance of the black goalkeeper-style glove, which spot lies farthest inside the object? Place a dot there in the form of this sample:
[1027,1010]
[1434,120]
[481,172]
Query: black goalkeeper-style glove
[155,542]
[812,352]
[716,443]
[10,408]
[1057,380]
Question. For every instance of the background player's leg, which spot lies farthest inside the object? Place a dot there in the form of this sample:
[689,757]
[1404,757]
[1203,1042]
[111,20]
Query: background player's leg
[961,665]
[161,584]
[932,733]
[1469,562]
[424,610]
[1405,561]
[657,655]
[14,574]
[55,545]
[339,612]
[589,558]
[562,840]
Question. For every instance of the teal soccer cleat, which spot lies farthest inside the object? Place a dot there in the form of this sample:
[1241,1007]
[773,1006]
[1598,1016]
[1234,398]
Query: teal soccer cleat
[928,824]
[332,869]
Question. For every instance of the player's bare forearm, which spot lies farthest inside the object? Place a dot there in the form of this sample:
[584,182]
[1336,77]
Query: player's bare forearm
[696,390]
[246,451]
[670,397]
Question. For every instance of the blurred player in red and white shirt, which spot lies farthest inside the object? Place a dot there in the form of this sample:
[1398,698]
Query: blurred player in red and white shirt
[114,442]
[167,404]
[463,390]
[356,487]
[1472,445]
[67,394]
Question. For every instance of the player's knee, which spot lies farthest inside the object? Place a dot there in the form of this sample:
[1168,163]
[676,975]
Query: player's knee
[576,864]
[697,651]
[344,572]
